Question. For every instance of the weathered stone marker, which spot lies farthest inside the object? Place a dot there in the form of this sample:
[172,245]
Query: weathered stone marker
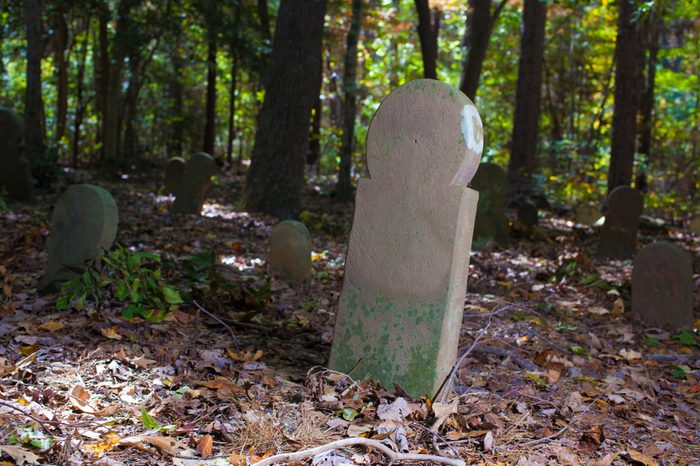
[15,174]
[83,225]
[587,214]
[290,251]
[189,181]
[527,214]
[400,311]
[695,225]
[662,285]
[491,224]
[618,238]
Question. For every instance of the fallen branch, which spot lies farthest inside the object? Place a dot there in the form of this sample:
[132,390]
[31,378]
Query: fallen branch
[523,363]
[216,318]
[348,442]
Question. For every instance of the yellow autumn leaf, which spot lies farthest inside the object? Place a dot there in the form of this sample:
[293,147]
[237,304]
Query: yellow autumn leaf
[100,448]
[51,326]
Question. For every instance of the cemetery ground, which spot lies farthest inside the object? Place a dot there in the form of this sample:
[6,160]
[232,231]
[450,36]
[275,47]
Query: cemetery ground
[554,368]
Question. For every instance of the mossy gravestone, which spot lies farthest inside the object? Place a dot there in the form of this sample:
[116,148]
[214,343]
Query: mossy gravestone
[662,285]
[695,225]
[290,251]
[618,238]
[189,181]
[587,214]
[400,310]
[491,224]
[15,174]
[83,225]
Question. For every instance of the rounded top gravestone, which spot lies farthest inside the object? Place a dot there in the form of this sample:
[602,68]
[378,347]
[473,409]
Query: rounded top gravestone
[189,181]
[400,310]
[290,251]
[491,224]
[695,225]
[15,173]
[618,238]
[662,285]
[10,127]
[527,214]
[83,226]
[587,214]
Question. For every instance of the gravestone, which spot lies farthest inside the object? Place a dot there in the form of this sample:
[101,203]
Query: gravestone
[189,181]
[695,225]
[83,225]
[587,214]
[527,214]
[662,285]
[491,182]
[290,251]
[400,310]
[618,238]
[15,173]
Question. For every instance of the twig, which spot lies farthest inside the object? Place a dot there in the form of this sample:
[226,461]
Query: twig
[30,416]
[348,442]
[523,363]
[216,318]
[546,340]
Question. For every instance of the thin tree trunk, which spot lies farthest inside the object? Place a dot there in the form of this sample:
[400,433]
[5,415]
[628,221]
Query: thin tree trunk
[33,104]
[344,186]
[276,176]
[480,23]
[628,85]
[313,155]
[428,31]
[103,75]
[80,102]
[653,35]
[264,17]
[527,101]
[61,60]
[210,118]
[176,92]
[232,103]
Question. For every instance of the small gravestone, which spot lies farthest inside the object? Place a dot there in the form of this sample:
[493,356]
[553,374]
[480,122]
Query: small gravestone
[83,225]
[189,181]
[695,225]
[491,224]
[527,214]
[662,285]
[587,214]
[290,251]
[15,173]
[618,238]
[400,310]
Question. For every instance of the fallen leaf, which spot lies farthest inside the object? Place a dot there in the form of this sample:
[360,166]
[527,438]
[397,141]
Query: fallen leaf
[111,332]
[19,454]
[488,441]
[204,446]
[395,411]
[642,458]
[165,444]
[618,307]
[442,412]
[630,355]
[51,326]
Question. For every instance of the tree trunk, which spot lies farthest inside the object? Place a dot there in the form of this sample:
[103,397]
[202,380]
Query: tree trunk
[61,61]
[176,93]
[428,30]
[480,22]
[232,103]
[103,74]
[210,118]
[527,101]
[628,85]
[344,188]
[80,103]
[276,176]
[652,36]
[264,17]
[33,111]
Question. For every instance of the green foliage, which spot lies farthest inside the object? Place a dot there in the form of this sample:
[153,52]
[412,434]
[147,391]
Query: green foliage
[688,337]
[131,277]
[4,202]
[148,421]
[33,437]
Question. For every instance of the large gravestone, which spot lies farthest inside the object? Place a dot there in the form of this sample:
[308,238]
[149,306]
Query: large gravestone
[15,174]
[662,285]
[587,214]
[618,238]
[83,225]
[290,251]
[189,181]
[400,310]
[491,224]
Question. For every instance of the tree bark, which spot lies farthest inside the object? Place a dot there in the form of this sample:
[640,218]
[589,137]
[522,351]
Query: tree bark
[527,101]
[210,119]
[264,17]
[102,74]
[33,111]
[343,189]
[313,155]
[276,176]
[428,31]
[480,23]
[628,85]
[61,60]
[80,102]
[652,33]
[177,95]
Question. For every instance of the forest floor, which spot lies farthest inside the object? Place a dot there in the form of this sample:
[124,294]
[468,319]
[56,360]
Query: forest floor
[561,372]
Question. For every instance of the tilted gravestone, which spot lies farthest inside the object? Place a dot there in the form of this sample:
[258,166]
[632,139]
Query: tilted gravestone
[527,214]
[618,238]
[290,251]
[83,225]
[662,285]
[15,173]
[189,181]
[400,310]
[491,224]
[587,214]
[695,225]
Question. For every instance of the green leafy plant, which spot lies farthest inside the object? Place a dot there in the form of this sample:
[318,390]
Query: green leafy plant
[4,203]
[134,277]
